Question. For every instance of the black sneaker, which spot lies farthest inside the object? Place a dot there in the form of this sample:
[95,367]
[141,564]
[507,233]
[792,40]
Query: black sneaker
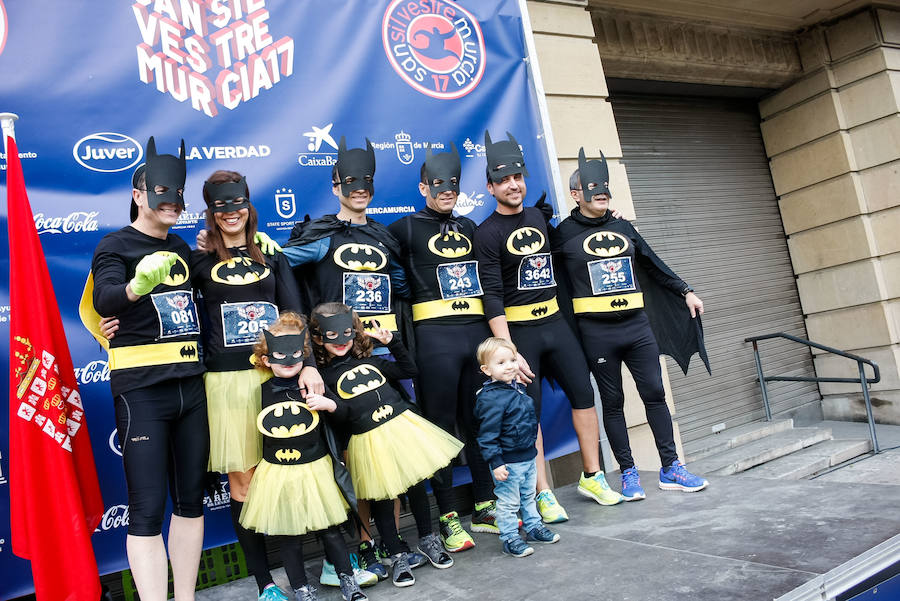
[368,560]
[401,573]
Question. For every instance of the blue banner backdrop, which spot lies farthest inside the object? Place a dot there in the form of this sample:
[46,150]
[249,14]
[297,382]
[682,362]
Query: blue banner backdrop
[264,87]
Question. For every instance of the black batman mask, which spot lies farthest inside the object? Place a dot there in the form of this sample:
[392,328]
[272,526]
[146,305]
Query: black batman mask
[338,323]
[444,166]
[164,170]
[227,197]
[503,158]
[287,345]
[594,176]
[356,163]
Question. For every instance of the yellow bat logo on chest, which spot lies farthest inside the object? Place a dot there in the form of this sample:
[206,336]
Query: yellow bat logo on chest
[451,245]
[525,241]
[287,419]
[359,380]
[360,257]
[605,244]
[238,271]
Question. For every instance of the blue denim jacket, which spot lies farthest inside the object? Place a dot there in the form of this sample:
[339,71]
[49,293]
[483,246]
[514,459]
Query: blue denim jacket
[506,424]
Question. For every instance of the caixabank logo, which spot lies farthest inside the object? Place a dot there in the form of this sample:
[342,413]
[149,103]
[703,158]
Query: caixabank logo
[436,47]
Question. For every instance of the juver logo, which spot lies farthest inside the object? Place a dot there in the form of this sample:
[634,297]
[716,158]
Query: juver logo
[107,152]
[436,47]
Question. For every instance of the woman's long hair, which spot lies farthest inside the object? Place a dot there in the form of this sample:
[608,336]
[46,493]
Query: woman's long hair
[214,242]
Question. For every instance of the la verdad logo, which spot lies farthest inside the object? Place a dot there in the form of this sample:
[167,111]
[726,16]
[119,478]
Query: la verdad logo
[436,46]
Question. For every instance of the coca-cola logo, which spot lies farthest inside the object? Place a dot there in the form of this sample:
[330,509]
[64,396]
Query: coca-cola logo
[114,517]
[114,442]
[74,222]
[93,372]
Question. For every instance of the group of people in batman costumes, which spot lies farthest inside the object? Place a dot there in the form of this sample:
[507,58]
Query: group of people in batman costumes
[427,290]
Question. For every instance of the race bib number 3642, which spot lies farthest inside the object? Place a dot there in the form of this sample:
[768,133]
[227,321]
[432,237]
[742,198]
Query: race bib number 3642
[177,313]
[536,271]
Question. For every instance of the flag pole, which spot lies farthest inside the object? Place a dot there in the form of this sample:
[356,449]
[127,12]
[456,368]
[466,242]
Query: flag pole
[8,121]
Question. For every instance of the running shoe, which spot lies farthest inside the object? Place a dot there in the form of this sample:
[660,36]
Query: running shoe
[631,485]
[549,508]
[273,593]
[329,576]
[307,592]
[539,534]
[453,535]
[350,589]
[597,489]
[368,560]
[416,560]
[430,546]
[676,477]
[484,518]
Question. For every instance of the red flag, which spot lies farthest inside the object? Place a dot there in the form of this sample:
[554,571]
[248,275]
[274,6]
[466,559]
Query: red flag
[55,499]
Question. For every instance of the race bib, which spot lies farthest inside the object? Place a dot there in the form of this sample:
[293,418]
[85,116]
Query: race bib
[536,271]
[611,275]
[177,313]
[242,322]
[367,292]
[458,280]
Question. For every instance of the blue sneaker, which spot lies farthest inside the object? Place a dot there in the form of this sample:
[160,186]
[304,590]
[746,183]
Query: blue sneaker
[517,548]
[539,534]
[272,593]
[631,485]
[676,477]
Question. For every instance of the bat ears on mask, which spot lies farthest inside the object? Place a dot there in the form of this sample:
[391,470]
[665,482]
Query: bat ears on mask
[151,149]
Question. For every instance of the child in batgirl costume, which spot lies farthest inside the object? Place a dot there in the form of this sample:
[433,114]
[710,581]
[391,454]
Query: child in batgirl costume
[391,448]
[300,485]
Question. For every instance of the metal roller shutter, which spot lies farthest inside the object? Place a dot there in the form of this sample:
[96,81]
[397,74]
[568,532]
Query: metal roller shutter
[704,199]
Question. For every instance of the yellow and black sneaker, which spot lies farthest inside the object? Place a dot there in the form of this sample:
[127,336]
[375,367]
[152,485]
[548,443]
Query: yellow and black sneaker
[484,518]
[453,535]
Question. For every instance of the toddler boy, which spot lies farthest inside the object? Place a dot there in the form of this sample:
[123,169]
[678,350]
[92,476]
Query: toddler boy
[507,430]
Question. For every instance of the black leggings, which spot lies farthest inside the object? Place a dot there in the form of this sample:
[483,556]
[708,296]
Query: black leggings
[164,437]
[294,563]
[446,389]
[383,514]
[607,345]
[551,348]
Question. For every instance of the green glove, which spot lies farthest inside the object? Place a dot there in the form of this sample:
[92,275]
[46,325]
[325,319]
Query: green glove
[266,244]
[152,271]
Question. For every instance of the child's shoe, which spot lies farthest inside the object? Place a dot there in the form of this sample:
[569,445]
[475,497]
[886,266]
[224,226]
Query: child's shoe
[676,477]
[517,548]
[272,593]
[416,560]
[597,489]
[549,508]
[631,485]
[329,576]
[484,518]
[305,593]
[401,573]
[350,589]
[453,535]
[368,560]
[430,546]
[539,534]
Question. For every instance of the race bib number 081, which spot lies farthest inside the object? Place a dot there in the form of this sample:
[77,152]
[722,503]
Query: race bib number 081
[177,313]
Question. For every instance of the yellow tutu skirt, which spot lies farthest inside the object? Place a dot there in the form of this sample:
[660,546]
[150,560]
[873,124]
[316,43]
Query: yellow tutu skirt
[232,403]
[293,499]
[386,461]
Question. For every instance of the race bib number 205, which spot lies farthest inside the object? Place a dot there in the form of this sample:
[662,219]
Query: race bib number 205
[242,322]
[177,313]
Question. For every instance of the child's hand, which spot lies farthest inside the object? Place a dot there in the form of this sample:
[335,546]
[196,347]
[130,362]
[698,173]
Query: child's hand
[320,403]
[382,335]
[501,473]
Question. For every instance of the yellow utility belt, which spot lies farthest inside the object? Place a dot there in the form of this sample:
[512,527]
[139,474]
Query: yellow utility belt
[146,355]
[385,320]
[532,311]
[608,304]
[447,308]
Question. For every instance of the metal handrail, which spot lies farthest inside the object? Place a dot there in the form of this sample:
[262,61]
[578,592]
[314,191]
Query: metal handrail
[862,380]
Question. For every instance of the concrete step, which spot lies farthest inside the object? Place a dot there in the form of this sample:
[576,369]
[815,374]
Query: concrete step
[733,437]
[811,460]
[751,454]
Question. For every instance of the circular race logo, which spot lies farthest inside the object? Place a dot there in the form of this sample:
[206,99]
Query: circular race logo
[437,48]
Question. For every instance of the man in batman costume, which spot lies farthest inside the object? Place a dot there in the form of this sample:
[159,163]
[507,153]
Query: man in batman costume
[438,254]
[520,303]
[140,273]
[349,257]
[625,300]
